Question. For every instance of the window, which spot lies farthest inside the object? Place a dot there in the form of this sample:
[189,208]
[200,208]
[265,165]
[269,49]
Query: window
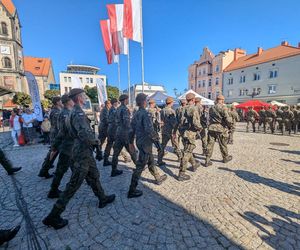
[203,83]
[272,89]
[199,73]
[6,62]
[191,86]
[87,80]
[91,80]
[80,78]
[242,92]
[204,71]
[217,93]
[199,84]
[217,68]
[69,78]
[209,95]
[230,81]
[37,68]
[70,88]
[230,92]
[217,81]
[242,79]
[65,79]
[209,82]
[20,63]
[256,76]
[4,28]
[66,89]
[273,73]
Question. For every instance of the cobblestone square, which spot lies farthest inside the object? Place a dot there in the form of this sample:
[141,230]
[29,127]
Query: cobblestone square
[252,202]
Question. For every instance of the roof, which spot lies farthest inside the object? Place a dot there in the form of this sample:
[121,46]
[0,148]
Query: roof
[37,66]
[9,6]
[9,104]
[279,52]
[82,68]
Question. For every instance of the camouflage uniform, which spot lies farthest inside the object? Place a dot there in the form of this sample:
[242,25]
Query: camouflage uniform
[251,116]
[155,118]
[202,133]
[296,119]
[279,119]
[168,117]
[103,126]
[48,163]
[64,143]
[287,119]
[189,127]
[270,119]
[262,119]
[122,135]
[234,118]
[219,122]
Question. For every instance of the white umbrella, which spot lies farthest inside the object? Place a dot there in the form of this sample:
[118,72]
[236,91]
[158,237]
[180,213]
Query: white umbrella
[204,101]
[279,104]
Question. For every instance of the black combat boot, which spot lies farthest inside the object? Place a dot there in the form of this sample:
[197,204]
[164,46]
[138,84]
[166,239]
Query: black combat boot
[108,199]
[160,179]
[54,193]
[116,172]
[227,159]
[54,220]
[183,177]
[7,235]
[99,156]
[46,175]
[106,162]
[134,193]
[13,170]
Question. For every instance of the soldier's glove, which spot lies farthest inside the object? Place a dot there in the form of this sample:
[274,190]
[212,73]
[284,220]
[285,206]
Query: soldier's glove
[158,146]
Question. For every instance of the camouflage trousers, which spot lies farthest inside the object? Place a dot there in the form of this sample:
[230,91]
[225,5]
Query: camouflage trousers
[262,122]
[230,135]
[84,168]
[165,139]
[189,144]
[253,125]
[280,124]
[203,138]
[145,158]
[110,142]
[119,144]
[48,162]
[102,136]
[295,126]
[5,162]
[63,164]
[222,140]
[287,125]
[270,124]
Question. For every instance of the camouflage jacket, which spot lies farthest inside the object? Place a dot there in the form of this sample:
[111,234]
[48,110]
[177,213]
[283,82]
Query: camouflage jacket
[112,125]
[104,118]
[252,115]
[296,115]
[288,115]
[168,117]
[219,119]
[279,114]
[190,120]
[262,114]
[54,114]
[270,114]
[123,122]
[234,116]
[155,118]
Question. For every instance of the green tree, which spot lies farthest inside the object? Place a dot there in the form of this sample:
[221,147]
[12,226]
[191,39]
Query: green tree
[21,99]
[91,93]
[112,92]
[50,93]
[46,103]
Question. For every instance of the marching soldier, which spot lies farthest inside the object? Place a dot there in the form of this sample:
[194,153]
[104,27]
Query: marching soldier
[179,114]
[251,117]
[203,121]
[50,158]
[262,118]
[168,118]
[235,118]
[287,119]
[84,168]
[143,130]
[189,127]
[271,119]
[296,119]
[63,143]
[103,126]
[155,115]
[218,124]
[279,118]
[122,135]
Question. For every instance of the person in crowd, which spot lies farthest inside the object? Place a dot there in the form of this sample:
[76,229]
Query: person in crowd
[28,119]
[15,125]
[46,126]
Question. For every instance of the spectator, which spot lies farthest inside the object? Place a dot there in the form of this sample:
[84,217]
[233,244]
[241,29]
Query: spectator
[28,119]
[15,124]
[46,126]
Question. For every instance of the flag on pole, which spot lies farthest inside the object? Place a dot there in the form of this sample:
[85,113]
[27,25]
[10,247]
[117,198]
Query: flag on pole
[132,26]
[101,90]
[119,42]
[106,36]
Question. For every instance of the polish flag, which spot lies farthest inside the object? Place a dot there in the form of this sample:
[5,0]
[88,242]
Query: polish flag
[119,42]
[132,26]
[106,36]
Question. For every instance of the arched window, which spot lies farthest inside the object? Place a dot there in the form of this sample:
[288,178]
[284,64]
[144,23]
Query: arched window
[6,62]
[4,28]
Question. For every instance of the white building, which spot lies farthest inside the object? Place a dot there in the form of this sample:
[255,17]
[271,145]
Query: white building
[271,75]
[79,76]
[149,89]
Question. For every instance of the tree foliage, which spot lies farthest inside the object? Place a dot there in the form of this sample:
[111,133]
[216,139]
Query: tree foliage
[50,93]
[46,103]
[112,92]
[21,99]
[91,93]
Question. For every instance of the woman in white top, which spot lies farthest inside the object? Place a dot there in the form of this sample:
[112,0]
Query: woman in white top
[15,125]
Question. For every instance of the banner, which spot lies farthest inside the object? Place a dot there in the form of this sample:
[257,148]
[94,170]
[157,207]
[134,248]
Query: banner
[132,24]
[35,95]
[101,89]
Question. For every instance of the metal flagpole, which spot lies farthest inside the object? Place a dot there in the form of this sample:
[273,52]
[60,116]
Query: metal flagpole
[128,61]
[119,76]
[142,49]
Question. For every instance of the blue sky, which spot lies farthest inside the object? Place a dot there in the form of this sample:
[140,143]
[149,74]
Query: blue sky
[175,32]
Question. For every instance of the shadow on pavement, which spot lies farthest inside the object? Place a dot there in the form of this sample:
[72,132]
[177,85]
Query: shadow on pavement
[287,160]
[287,151]
[283,234]
[255,178]
[296,171]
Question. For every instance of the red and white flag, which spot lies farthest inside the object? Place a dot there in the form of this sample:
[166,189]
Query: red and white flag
[119,42]
[132,26]
[106,36]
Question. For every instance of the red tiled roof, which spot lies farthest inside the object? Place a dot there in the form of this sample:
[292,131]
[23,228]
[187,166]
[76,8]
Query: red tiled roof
[9,104]
[272,54]
[9,6]
[37,66]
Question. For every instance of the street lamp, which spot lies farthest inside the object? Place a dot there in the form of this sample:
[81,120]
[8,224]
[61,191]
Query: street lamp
[255,92]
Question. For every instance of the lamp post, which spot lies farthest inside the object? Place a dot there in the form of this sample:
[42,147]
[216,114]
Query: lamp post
[254,93]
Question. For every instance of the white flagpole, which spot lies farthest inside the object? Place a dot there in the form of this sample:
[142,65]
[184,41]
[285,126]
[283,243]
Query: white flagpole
[119,76]
[128,61]
[142,48]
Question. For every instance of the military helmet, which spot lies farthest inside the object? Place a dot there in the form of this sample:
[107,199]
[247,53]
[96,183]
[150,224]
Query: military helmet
[169,100]
[190,96]
[56,99]
[140,98]
[123,97]
[75,92]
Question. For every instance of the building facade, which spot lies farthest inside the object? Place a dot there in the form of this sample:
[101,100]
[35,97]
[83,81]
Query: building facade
[268,75]
[79,76]
[205,75]
[11,49]
[43,71]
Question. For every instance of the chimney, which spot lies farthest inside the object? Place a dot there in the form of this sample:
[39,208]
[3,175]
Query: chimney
[259,51]
[284,43]
[239,53]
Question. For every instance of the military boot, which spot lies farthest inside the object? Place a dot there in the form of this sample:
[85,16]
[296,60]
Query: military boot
[227,159]
[54,220]
[99,156]
[108,199]
[54,193]
[106,162]
[183,177]
[160,179]
[116,172]
[195,166]
[7,235]
[45,174]
[160,164]
[134,193]
[207,163]
[11,171]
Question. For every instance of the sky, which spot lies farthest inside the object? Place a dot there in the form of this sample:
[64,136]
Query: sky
[175,33]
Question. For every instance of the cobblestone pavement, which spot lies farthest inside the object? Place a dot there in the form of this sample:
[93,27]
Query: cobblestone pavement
[252,202]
